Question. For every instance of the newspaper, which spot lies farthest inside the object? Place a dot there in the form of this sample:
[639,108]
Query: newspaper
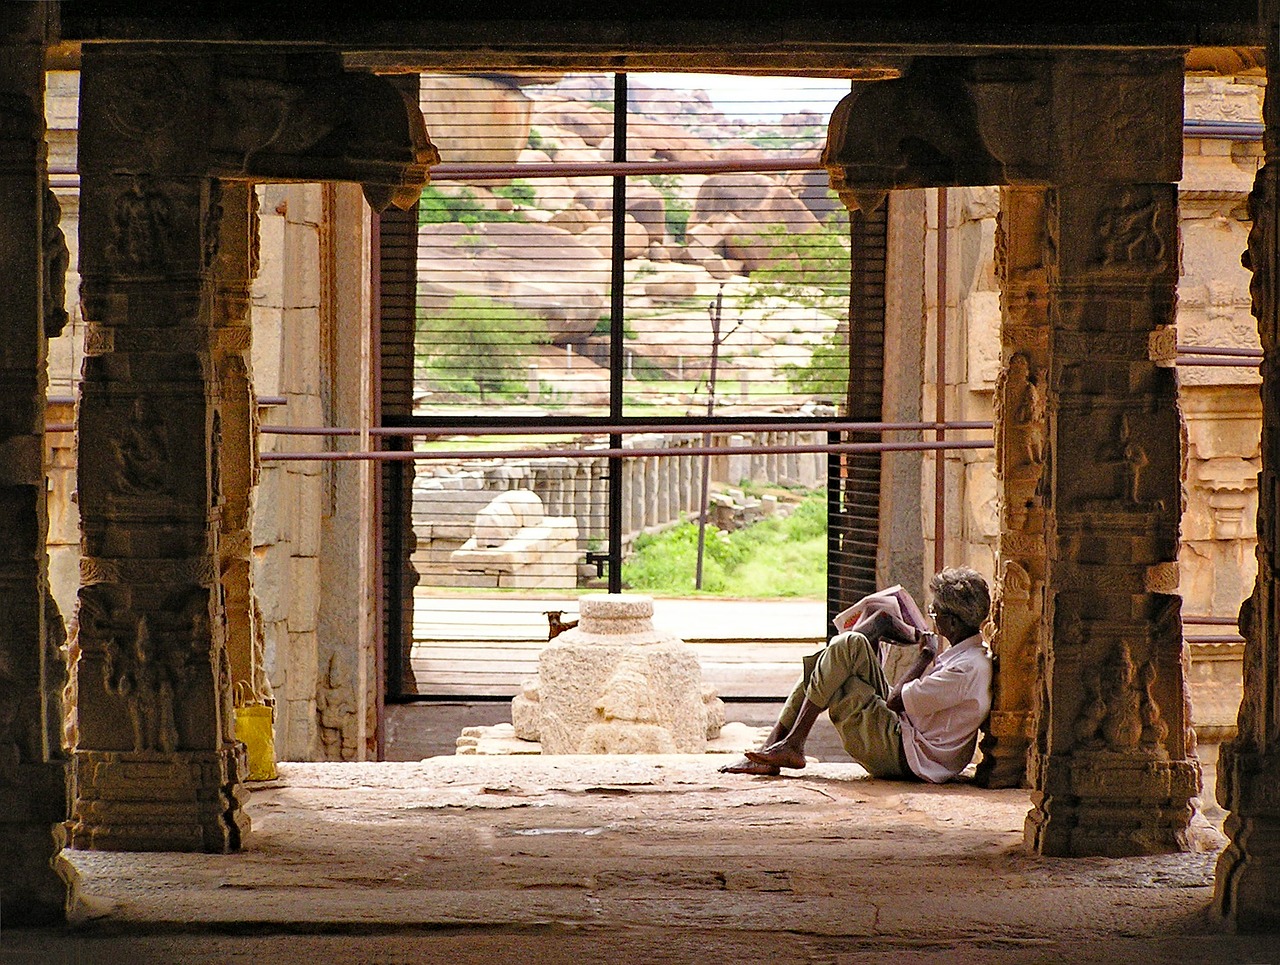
[895,599]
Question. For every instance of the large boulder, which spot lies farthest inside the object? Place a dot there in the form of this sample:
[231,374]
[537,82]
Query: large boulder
[647,206]
[754,199]
[452,107]
[543,269]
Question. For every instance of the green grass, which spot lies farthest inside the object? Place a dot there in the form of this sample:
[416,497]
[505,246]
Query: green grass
[777,557]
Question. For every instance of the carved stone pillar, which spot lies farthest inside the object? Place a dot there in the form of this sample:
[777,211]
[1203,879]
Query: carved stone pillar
[1021,425]
[1113,764]
[32,672]
[155,765]
[1248,877]
[165,392]
[1110,761]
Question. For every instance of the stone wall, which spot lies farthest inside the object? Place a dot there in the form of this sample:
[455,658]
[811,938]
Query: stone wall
[972,361]
[307,523]
[62,93]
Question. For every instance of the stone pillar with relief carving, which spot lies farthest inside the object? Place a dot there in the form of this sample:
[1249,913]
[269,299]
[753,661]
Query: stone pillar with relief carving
[1021,425]
[155,766]
[1112,762]
[165,411]
[1247,890]
[1088,418]
[32,671]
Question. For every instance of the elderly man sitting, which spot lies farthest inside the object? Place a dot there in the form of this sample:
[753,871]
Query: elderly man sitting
[927,726]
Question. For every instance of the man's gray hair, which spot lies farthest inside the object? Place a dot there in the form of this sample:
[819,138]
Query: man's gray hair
[962,592]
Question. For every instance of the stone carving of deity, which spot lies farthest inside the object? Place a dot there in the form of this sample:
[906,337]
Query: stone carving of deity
[142,453]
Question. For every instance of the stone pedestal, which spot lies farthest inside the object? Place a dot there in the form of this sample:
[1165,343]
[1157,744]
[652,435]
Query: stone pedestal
[614,685]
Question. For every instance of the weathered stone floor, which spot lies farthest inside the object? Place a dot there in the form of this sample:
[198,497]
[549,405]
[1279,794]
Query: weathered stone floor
[550,860]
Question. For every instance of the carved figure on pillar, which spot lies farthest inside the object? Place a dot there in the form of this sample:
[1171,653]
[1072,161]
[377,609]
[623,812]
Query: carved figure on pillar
[142,453]
[57,260]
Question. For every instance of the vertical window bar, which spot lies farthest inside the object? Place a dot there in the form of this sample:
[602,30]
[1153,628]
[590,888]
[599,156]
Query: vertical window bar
[616,345]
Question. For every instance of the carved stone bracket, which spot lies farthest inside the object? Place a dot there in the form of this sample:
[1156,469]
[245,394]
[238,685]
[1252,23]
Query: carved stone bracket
[269,115]
[1030,120]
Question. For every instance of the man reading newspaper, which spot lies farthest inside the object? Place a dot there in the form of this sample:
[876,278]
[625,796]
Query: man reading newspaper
[926,727]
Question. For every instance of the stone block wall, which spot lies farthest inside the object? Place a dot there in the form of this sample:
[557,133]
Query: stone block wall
[309,299]
[971,319]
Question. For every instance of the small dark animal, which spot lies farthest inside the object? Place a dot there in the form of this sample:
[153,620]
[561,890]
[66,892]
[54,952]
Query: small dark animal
[556,626]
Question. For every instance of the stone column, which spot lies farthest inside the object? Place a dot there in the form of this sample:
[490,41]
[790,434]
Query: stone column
[236,433]
[155,766]
[32,768]
[652,490]
[1112,762]
[628,475]
[1248,878]
[1020,418]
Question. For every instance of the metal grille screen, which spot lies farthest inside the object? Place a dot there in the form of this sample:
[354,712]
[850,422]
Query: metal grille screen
[681,261]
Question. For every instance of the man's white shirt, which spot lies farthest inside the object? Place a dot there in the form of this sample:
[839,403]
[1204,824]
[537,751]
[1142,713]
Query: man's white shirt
[944,708]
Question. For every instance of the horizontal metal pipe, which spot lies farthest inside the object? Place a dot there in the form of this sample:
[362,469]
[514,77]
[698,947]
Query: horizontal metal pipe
[503,172]
[261,400]
[1223,130]
[634,428]
[1245,363]
[1248,353]
[405,456]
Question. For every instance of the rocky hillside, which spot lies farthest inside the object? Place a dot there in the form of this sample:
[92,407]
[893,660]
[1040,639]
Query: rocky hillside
[543,244]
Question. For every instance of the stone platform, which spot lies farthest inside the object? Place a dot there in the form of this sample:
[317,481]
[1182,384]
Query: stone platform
[659,859]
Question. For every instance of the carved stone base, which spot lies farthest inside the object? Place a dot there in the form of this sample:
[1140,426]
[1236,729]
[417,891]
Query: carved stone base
[1248,876]
[140,801]
[1004,751]
[33,804]
[1113,805]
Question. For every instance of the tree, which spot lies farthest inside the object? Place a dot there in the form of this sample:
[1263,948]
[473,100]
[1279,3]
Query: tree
[476,346]
[811,268]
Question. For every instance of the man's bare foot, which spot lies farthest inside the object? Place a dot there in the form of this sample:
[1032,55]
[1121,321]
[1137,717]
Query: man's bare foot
[745,766]
[780,754]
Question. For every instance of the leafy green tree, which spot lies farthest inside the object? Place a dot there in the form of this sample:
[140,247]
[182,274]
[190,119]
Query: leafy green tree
[477,346]
[677,208]
[437,207]
[810,268]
